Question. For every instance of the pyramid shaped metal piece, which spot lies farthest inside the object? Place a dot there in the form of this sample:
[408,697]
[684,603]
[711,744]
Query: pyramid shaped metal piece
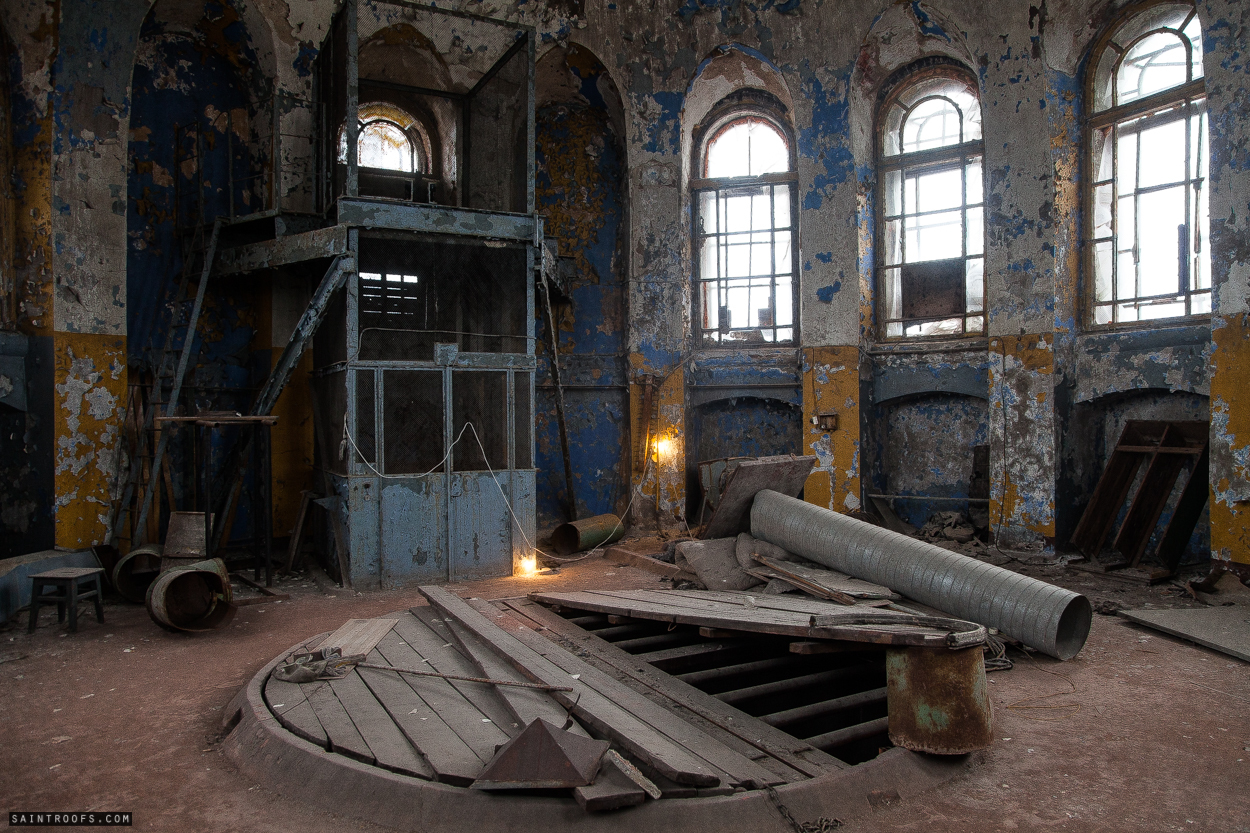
[543,756]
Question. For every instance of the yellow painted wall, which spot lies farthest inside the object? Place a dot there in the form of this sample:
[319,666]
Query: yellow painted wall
[90,391]
[1230,440]
[1022,494]
[831,385]
[666,452]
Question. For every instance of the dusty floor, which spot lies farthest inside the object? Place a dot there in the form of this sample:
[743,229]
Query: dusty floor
[1140,732]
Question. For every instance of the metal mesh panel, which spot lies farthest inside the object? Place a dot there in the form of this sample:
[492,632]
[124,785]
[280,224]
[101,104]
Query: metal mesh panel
[496,136]
[524,420]
[330,401]
[366,440]
[480,397]
[412,420]
[415,294]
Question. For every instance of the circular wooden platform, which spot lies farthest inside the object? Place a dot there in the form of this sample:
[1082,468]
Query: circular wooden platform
[364,763]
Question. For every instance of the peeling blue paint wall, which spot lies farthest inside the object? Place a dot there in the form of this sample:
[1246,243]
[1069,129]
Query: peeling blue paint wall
[580,189]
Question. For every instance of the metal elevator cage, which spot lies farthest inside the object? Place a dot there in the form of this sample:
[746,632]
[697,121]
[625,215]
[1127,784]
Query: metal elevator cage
[424,364]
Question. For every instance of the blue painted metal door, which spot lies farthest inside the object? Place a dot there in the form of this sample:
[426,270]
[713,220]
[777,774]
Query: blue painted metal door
[481,537]
[414,530]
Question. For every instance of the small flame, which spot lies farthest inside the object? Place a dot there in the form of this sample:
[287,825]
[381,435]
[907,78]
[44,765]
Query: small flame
[529,565]
[663,446]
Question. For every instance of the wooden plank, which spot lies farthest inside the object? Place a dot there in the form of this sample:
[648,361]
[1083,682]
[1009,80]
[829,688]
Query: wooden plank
[786,749]
[1188,510]
[642,741]
[436,644]
[1104,505]
[358,636]
[476,728]
[298,532]
[344,738]
[391,750]
[836,584]
[628,558]
[739,768]
[302,721]
[611,790]
[525,705]
[288,703]
[449,757]
[740,613]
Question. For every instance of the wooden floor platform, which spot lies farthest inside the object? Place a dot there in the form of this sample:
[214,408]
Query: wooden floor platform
[689,737]
[703,715]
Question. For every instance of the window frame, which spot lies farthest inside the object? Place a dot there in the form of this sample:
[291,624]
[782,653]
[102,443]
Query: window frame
[958,156]
[1183,98]
[739,108]
[415,132]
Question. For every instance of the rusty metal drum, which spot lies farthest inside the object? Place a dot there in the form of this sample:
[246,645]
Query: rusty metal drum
[938,700]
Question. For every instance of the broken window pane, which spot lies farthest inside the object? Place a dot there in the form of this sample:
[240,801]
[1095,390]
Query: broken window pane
[934,222]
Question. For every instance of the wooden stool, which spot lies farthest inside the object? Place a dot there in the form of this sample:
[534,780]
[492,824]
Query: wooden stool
[67,580]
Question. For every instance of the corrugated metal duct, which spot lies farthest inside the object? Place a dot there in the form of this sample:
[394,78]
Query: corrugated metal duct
[1045,617]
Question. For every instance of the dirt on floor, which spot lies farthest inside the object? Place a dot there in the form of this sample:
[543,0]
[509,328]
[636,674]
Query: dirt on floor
[1141,732]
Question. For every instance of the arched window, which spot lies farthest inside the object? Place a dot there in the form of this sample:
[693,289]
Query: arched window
[745,239]
[1147,223]
[931,272]
[387,139]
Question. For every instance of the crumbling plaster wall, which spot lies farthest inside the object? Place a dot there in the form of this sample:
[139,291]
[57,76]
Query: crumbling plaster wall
[1038,363]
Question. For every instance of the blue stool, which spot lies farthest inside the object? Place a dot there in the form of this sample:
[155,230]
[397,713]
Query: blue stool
[70,587]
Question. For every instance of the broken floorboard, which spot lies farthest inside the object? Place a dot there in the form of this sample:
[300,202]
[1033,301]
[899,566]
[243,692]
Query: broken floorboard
[650,733]
[788,750]
[743,612]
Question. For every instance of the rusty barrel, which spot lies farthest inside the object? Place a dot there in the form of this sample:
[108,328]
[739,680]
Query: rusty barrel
[938,700]
[196,597]
[576,536]
[135,571]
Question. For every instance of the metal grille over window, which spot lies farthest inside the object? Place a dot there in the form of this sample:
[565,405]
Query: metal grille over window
[1147,231]
[745,237]
[415,294]
[931,280]
[413,421]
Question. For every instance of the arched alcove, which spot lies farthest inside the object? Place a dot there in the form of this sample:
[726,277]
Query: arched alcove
[580,189]
[742,426]
[923,445]
[1094,430]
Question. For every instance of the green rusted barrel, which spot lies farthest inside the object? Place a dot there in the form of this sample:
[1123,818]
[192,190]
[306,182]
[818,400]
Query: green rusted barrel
[938,700]
[576,536]
[135,571]
[196,597]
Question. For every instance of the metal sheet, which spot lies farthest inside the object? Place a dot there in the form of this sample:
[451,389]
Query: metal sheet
[1224,629]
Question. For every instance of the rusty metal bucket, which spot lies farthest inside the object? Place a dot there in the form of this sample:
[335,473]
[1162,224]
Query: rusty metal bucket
[576,536]
[135,571]
[195,598]
[938,700]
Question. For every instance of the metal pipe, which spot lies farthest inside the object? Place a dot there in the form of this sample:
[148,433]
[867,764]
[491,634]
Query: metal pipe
[832,740]
[758,667]
[1045,617]
[929,499]
[791,684]
[576,536]
[824,707]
